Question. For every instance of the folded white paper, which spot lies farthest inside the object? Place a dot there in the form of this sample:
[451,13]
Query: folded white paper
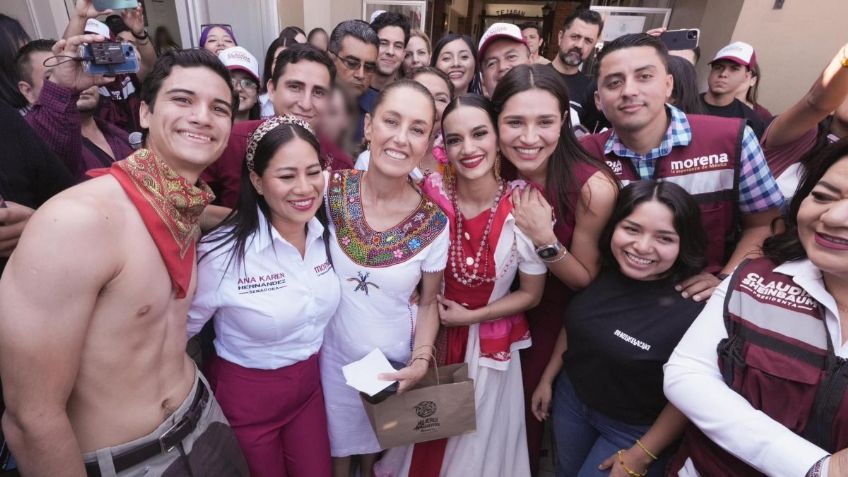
[362,374]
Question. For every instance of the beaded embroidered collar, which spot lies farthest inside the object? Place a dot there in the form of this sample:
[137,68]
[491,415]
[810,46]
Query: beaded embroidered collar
[369,247]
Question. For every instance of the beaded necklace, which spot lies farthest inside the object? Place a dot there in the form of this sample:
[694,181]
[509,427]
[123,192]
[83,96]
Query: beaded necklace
[460,264]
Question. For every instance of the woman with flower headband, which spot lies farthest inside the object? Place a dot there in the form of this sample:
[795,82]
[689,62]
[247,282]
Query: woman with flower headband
[387,240]
[485,327]
[272,250]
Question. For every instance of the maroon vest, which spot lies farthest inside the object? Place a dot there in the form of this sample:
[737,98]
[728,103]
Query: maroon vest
[779,357]
[708,168]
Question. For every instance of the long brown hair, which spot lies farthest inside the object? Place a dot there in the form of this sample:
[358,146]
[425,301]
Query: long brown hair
[559,180]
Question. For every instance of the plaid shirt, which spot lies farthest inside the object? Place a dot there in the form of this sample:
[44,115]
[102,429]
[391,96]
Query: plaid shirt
[758,191]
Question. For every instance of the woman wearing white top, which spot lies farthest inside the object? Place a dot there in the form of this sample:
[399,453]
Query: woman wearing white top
[387,238]
[265,277]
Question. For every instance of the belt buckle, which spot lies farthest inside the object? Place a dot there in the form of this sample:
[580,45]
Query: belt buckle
[162,445]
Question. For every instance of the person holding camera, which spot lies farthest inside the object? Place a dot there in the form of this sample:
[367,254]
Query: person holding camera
[64,115]
[94,300]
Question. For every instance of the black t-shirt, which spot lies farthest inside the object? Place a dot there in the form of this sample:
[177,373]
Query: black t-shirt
[29,173]
[578,86]
[737,109]
[620,333]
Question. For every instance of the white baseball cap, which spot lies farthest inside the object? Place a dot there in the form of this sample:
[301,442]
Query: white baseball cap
[738,52]
[97,27]
[496,32]
[237,58]
[376,14]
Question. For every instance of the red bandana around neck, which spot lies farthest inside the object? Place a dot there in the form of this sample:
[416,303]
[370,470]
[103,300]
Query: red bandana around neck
[169,206]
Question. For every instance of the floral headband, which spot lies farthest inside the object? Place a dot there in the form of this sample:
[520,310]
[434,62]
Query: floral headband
[269,125]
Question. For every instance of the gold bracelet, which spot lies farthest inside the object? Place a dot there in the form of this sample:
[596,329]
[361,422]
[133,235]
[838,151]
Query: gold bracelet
[642,446]
[630,472]
[844,58]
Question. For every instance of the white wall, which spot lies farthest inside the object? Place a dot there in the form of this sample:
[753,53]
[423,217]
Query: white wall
[40,19]
[318,15]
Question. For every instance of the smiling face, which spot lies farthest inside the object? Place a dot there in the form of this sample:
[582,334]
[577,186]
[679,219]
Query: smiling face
[457,60]
[190,121]
[823,221]
[303,90]
[391,51]
[645,243]
[399,131]
[218,40]
[292,185]
[529,129]
[633,87]
[417,54]
[247,89]
[500,57]
[471,142]
[727,77]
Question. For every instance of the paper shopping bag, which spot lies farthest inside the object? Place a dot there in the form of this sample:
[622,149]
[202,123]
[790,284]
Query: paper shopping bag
[441,405]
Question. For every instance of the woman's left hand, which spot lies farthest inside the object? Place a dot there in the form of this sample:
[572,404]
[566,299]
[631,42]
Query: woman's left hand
[409,376]
[533,215]
[636,462]
[452,313]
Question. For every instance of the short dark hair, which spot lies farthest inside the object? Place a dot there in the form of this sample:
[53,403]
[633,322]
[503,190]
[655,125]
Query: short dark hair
[432,70]
[288,35]
[686,219]
[534,25]
[585,15]
[116,24]
[635,40]
[316,31]
[358,29]
[302,52]
[787,246]
[475,86]
[192,58]
[392,19]
[23,63]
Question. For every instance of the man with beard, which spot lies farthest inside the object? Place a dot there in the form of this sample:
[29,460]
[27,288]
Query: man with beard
[66,117]
[393,31]
[576,40]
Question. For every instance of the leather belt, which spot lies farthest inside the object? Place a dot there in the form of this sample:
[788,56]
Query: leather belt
[166,442]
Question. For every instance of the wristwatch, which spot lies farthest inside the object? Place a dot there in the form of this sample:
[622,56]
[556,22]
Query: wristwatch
[547,252]
[143,36]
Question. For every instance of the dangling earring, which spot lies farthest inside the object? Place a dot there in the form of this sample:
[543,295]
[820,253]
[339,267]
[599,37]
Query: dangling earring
[497,167]
[449,173]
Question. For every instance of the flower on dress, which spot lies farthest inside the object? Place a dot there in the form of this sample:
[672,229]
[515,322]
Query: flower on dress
[414,243]
[345,241]
[398,254]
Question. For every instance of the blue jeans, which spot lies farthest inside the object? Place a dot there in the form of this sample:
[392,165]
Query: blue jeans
[584,438]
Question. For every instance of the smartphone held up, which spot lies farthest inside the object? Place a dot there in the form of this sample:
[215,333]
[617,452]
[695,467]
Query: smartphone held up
[102,5]
[109,58]
[681,39]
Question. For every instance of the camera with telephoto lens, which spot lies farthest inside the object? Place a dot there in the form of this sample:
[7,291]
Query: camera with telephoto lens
[109,58]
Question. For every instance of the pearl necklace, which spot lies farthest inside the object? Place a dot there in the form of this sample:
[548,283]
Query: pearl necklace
[459,261]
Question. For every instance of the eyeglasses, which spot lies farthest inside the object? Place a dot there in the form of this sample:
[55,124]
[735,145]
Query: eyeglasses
[223,25]
[244,83]
[353,63]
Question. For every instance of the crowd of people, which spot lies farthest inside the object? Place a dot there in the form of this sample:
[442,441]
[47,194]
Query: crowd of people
[655,273]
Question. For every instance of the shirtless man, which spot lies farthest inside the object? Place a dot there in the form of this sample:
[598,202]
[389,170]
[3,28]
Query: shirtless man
[93,302]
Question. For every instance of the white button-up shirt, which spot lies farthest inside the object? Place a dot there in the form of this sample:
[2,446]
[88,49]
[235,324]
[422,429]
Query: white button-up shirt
[271,309]
[694,384]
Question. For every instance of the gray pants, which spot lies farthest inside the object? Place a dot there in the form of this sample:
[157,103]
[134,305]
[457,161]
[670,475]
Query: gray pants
[211,450]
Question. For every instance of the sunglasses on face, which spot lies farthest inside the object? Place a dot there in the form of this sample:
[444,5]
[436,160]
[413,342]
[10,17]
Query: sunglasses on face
[352,63]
